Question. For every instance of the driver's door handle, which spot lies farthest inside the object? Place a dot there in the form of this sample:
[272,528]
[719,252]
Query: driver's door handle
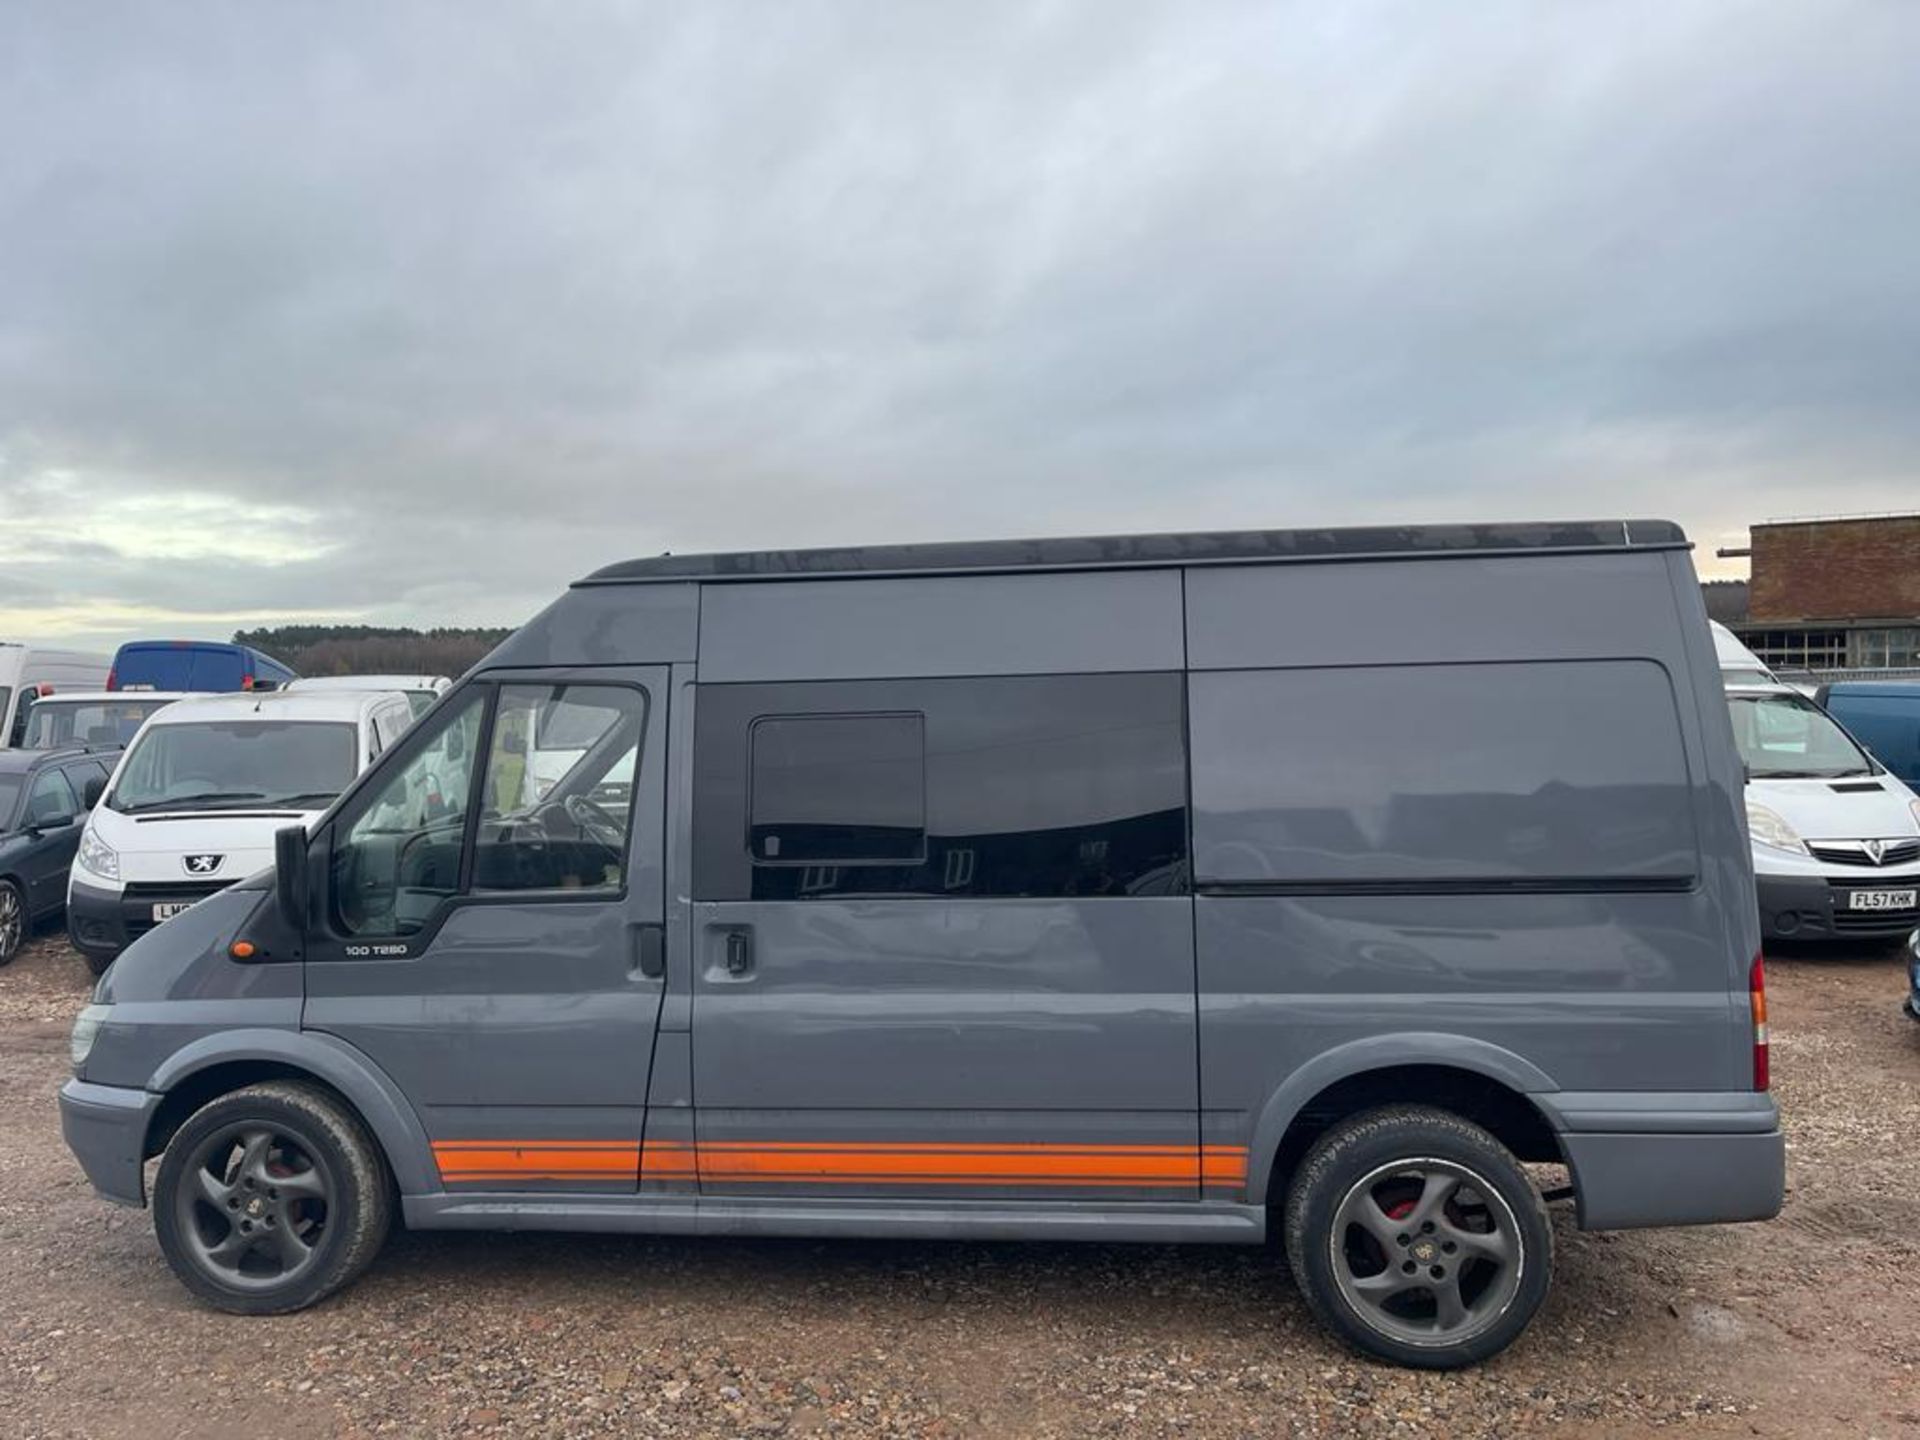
[650,950]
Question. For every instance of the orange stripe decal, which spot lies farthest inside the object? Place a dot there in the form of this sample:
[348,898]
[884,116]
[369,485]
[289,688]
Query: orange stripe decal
[1012,1164]
[466,1161]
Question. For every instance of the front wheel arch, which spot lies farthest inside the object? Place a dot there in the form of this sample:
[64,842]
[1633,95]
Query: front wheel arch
[226,1061]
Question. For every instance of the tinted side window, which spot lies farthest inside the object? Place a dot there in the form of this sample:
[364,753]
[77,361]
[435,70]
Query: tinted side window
[840,788]
[50,797]
[1402,773]
[84,774]
[1033,786]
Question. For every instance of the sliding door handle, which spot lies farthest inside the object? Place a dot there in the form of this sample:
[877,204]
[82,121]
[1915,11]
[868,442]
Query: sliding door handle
[739,952]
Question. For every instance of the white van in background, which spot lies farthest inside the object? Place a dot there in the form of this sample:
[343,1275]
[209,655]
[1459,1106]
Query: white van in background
[196,799]
[421,690]
[93,717]
[1835,835]
[1738,664]
[28,672]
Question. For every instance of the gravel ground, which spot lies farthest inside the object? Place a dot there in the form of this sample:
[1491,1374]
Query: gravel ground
[1806,1326]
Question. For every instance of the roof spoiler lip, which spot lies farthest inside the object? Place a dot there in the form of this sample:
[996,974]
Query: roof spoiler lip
[1045,554]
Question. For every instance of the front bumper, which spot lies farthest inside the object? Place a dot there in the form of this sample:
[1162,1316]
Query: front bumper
[101,923]
[106,1128]
[96,920]
[1814,907]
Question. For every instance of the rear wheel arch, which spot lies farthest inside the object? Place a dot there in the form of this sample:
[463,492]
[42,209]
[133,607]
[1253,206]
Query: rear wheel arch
[221,1063]
[1483,1084]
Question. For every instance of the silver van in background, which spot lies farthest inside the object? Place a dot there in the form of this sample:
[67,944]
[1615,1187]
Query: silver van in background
[1296,885]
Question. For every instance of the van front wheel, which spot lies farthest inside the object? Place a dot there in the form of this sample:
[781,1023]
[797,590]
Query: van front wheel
[1418,1238]
[270,1199]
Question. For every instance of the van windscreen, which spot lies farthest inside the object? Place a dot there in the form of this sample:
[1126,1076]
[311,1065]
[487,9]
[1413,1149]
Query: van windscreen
[1788,737]
[236,765]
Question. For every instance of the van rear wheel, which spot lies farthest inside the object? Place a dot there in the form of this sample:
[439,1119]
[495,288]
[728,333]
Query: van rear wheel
[1418,1238]
[270,1199]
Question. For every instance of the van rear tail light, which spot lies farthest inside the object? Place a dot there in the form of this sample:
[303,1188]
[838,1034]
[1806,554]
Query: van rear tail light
[246,682]
[1757,1001]
[113,679]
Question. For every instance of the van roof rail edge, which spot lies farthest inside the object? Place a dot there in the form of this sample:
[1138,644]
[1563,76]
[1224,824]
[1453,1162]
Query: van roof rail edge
[1118,552]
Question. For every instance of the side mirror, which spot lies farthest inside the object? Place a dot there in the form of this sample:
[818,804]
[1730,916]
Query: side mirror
[290,875]
[91,793]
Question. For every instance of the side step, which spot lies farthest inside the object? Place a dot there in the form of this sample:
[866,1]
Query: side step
[1201,1222]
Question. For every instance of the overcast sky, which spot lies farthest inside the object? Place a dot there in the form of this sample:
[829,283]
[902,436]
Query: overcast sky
[412,314]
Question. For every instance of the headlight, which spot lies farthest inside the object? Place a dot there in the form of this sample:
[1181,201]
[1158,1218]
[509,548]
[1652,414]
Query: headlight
[86,1026]
[1770,829]
[1915,808]
[97,857]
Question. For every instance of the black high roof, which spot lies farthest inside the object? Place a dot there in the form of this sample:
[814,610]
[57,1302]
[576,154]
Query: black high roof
[1117,552]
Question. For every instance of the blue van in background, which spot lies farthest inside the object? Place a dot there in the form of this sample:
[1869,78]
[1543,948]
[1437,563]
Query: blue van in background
[207,665]
[1884,716]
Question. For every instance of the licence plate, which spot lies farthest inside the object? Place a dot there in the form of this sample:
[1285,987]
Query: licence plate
[168,909]
[1883,899]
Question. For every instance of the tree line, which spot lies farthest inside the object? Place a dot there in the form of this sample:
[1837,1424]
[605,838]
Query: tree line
[374,649]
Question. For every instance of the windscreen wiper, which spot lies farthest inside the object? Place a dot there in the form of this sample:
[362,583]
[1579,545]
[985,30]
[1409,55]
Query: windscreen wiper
[213,798]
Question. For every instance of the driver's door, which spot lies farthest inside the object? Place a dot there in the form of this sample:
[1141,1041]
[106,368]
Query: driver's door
[53,816]
[491,934]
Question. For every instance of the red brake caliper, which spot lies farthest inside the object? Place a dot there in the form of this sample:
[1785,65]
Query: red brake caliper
[1399,1210]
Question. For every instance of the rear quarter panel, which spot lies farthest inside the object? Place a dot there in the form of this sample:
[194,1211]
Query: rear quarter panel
[1350,933]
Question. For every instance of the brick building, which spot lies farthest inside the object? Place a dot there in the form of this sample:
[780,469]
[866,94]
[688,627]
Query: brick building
[1833,595]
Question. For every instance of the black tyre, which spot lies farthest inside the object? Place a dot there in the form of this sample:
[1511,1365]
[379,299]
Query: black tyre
[270,1199]
[1416,1237]
[14,921]
[97,964]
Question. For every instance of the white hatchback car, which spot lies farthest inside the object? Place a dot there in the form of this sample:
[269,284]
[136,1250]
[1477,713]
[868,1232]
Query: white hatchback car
[194,803]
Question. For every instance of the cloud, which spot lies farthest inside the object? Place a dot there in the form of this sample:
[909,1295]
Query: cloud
[402,312]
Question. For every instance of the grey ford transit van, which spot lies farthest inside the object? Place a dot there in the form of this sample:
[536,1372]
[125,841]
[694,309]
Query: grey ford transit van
[1184,887]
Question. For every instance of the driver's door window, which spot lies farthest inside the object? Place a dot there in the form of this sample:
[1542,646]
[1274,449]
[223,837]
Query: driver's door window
[399,860]
[50,799]
[556,803]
